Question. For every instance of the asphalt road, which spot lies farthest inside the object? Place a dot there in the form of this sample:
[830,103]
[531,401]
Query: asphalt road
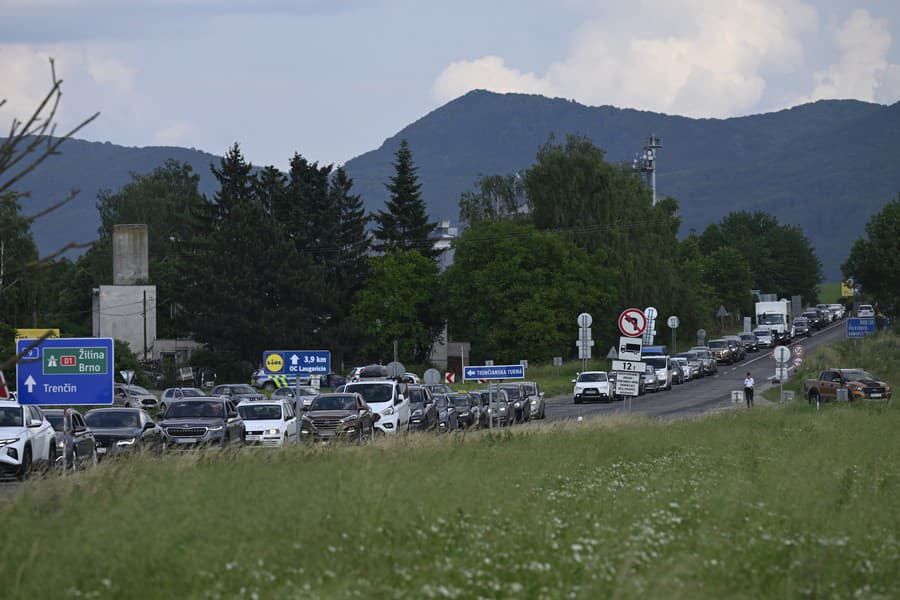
[698,397]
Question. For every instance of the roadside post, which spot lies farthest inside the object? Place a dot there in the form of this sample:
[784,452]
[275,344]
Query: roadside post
[673,323]
[584,341]
[493,373]
[782,358]
[629,369]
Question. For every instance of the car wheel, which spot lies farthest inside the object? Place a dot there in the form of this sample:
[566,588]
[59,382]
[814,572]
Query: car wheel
[25,467]
[813,397]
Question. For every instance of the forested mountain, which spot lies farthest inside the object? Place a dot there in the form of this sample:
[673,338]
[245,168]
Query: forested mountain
[826,166]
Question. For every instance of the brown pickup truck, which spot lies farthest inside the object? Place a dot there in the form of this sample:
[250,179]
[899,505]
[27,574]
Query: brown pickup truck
[860,385]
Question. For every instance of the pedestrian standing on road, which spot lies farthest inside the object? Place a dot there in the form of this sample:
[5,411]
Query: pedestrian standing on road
[748,389]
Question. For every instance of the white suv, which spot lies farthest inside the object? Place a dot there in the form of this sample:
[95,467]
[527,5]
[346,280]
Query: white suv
[591,385]
[269,423]
[865,310]
[387,398]
[26,439]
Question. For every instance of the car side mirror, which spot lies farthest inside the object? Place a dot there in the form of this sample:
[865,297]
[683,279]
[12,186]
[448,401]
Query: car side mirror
[232,414]
[149,425]
[573,381]
[376,417]
[35,423]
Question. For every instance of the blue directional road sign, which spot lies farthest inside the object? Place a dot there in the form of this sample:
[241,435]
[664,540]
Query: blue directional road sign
[494,372]
[65,371]
[860,327]
[297,362]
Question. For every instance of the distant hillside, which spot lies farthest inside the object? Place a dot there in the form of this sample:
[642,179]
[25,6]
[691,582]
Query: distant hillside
[825,166]
[91,167]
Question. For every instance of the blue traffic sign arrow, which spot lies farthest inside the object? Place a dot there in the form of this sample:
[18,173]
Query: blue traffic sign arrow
[494,372]
[65,371]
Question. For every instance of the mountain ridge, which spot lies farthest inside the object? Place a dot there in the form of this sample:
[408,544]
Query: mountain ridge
[805,164]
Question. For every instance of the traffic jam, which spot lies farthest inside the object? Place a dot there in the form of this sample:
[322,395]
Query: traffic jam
[70,413]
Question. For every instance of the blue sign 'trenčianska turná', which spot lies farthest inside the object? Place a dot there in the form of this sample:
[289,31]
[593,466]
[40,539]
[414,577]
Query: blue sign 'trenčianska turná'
[860,327]
[65,371]
[494,372]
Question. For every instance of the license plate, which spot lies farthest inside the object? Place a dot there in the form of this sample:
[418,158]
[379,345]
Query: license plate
[587,392]
[875,395]
[101,450]
[254,438]
[185,440]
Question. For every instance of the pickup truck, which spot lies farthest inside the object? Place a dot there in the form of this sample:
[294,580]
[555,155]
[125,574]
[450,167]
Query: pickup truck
[860,385]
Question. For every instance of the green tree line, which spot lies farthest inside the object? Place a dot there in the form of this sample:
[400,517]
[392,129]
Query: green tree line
[288,260]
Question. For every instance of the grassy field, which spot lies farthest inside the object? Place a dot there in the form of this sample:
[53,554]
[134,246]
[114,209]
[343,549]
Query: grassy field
[782,502]
[830,293]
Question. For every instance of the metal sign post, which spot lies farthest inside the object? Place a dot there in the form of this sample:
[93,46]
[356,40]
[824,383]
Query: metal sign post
[673,323]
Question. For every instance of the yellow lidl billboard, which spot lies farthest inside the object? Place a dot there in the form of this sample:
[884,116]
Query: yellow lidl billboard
[33,334]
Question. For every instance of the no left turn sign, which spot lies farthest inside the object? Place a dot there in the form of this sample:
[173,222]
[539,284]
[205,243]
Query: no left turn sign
[632,322]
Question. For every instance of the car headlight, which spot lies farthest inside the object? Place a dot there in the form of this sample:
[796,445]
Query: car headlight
[272,431]
[388,411]
[502,409]
[215,428]
[518,405]
[60,443]
[128,442]
[8,441]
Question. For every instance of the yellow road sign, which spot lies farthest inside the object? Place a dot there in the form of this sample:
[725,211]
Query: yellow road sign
[274,363]
[847,288]
[33,334]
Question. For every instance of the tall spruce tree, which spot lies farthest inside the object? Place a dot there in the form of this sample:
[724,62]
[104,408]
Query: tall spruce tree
[238,296]
[405,224]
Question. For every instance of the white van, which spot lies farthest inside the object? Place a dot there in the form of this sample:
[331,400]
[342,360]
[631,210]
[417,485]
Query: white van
[386,397]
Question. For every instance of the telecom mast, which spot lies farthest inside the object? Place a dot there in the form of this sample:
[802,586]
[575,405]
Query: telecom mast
[645,162]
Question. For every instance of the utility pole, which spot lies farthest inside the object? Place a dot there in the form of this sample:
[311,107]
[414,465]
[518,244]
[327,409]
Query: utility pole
[645,162]
[145,325]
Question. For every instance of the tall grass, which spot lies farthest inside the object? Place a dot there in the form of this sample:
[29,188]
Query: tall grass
[765,503]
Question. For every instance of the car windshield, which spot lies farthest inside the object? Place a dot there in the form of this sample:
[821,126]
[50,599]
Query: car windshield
[242,389]
[136,389]
[181,410]
[718,344]
[460,400]
[747,336]
[333,403]
[858,375]
[114,419]
[513,393]
[373,393]
[589,377]
[56,420]
[657,362]
[690,356]
[762,332]
[416,396]
[260,412]
[770,320]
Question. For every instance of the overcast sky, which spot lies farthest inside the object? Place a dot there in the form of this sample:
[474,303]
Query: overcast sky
[332,79]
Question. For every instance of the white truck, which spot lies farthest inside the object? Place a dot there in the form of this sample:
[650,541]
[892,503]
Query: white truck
[776,317]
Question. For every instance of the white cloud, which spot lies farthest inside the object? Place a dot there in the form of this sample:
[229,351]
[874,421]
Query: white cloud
[863,71]
[696,58]
[97,76]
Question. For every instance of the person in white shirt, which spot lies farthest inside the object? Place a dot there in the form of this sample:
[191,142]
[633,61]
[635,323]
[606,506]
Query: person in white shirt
[748,389]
